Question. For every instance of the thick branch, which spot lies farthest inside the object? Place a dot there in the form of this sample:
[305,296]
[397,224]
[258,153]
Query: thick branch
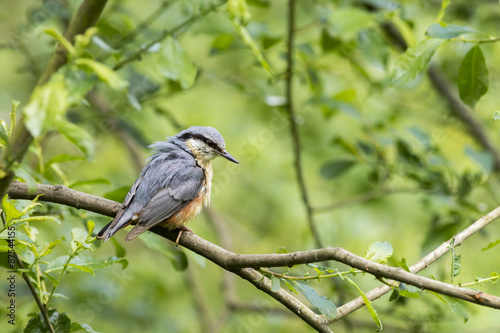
[243,264]
[63,195]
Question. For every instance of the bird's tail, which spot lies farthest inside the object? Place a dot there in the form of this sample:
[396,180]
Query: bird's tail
[112,227]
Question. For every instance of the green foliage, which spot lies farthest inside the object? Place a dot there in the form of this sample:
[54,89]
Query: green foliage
[382,157]
[173,63]
[42,271]
[447,31]
[368,304]
[176,256]
[473,77]
[60,322]
[414,60]
[456,308]
[379,252]
[323,304]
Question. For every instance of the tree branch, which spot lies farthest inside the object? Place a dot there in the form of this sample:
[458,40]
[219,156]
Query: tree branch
[422,263]
[289,107]
[86,16]
[243,264]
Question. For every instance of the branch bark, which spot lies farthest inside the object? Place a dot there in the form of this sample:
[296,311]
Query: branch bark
[244,265]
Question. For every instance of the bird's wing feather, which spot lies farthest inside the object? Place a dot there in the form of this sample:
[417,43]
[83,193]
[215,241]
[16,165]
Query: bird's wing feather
[167,184]
[182,182]
[117,223]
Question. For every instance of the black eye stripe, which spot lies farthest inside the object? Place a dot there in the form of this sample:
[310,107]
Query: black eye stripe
[208,141]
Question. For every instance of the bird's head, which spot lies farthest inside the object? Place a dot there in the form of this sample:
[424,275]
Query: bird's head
[205,143]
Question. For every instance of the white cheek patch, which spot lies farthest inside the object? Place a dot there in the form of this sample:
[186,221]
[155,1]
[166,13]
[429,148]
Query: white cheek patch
[200,149]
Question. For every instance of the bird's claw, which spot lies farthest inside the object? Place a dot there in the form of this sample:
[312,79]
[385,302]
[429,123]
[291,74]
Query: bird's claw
[181,230]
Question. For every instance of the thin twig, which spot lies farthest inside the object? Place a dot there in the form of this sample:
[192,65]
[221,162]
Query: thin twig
[423,263]
[294,131]
[41,306]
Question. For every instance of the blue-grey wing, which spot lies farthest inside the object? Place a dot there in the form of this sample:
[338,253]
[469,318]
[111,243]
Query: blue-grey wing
[182,182]
[167,184]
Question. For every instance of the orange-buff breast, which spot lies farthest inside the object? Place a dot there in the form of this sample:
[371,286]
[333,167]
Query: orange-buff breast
[186,214]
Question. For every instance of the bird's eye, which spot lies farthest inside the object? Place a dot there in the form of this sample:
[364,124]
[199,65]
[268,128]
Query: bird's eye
[212,144]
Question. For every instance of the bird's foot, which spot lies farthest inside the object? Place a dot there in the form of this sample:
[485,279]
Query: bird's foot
[181,230]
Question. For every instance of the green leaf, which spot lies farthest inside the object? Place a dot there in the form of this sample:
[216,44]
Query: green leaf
[394,295]
[491,245]
[447,31]
[48,247]
[175,64]
[379,252]
[174,254]
[413,61]
[456,264]
[496,115]
[459,311]
[322,303]
[483,158]
[336,168]
[76,327]
[281,249]
[61,39]
[83,261]
[62,158]
[406,153]
[10,210]
[408,291]
[221,43]
[60,322]
[79,238]
[104,73]
[403,264]
[90,227]
[83,268]
[290,287]
[275,283]
[368,303]
[473,77]
[78,136]
[455,307]
[46,107]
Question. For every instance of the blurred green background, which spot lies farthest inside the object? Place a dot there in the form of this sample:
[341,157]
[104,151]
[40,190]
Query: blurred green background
[427,178]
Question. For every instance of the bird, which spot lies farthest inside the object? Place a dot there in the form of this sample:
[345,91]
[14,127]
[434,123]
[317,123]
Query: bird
[174,185]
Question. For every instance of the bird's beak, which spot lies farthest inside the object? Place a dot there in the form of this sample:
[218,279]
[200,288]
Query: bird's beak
[228,156]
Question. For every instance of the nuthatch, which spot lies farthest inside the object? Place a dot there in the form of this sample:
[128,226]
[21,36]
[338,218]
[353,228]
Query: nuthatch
[174,185]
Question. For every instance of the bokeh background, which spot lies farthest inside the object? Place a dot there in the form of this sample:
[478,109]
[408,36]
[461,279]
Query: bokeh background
[416,174]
